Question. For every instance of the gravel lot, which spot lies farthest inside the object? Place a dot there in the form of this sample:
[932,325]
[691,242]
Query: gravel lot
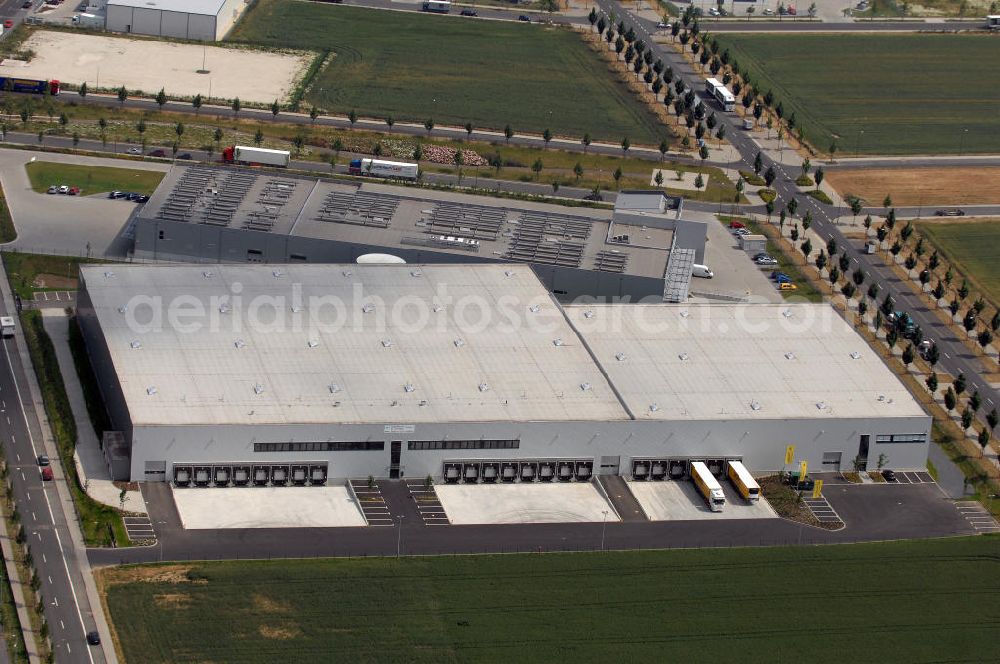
[110,62]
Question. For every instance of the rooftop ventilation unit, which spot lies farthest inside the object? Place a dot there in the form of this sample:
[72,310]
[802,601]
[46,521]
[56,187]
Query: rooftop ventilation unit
[508,273]
[754,405]
[684,313]
[367,308]
[459,343]
[653,407]
[258,389]
[136,344]
[408,388]
[423,402]
[534,308]
[224,309]
[855,355]
[109,275]
[312,343]
[483,387]
[683,357]
[296,309]
[151,390]
[386,343]
[239,343]
[207,274]
[789,355]
[821,405]
[584,386]
[122,309]
[416,273]
[621,357]
[437,308]
[588,314]
[787,313]
[278,274]
[333,387]
[557,342]
[347,273]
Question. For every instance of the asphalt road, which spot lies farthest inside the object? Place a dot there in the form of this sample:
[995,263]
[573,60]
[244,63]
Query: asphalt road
[955,358]
[67,608]
[872,512]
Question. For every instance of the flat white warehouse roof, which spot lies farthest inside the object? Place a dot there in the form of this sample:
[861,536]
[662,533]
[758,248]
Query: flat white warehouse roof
[342,344]
[753,361]
[447,354]
[203,7]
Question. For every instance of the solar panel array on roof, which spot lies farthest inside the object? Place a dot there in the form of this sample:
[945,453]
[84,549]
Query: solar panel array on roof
[555,239]
[206,195]
[271,199]
[358,208]
[468,221]
[610,261]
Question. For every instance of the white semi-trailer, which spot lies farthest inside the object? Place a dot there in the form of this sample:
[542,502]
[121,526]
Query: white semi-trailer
[241,154]
[383,169]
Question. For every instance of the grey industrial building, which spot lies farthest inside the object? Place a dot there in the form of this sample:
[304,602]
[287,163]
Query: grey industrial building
[249,374]
[642,249]
[203,20]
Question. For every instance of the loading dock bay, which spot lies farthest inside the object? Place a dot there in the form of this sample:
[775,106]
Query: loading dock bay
[680,501]
[558,502]
[266,507]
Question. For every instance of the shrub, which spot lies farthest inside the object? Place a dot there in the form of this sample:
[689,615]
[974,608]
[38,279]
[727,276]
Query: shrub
[820,196]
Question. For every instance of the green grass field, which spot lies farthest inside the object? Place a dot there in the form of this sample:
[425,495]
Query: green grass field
[91,179]
[906,602]
[415,66]
[972,248]
[908,94]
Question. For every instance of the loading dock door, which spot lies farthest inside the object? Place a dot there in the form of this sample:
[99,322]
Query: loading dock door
[832,460]
[395,452]
[610,465]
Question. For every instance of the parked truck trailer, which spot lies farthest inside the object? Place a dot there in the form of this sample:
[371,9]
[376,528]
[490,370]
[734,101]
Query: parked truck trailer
[241,154]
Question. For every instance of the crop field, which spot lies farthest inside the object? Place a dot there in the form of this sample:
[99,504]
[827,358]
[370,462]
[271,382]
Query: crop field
[909,602]
[881,94]
[454,70]
[972,246]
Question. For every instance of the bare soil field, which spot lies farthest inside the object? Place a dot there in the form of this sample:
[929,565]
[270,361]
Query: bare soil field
[111,62]
[920,186]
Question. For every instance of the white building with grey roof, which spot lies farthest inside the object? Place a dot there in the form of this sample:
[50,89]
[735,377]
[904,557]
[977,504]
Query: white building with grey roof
[299,373]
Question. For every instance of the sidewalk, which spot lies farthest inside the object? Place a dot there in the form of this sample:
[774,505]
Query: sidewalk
[89,459]
[17,587]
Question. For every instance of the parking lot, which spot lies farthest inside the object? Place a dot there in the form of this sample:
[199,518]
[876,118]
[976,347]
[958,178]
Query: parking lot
[735,272]
[267,507]
[524,503]
[680,501]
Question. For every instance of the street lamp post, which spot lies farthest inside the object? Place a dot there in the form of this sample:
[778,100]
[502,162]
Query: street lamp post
[857,144]
[961,142]
[399,533]
[604,527]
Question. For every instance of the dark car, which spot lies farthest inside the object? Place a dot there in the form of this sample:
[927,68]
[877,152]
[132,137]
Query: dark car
[43,460]
[184,155]
[888,476]
[593,197]
[525,18]
[469,12]
[93,638]
[131,196]
[950,213]
[157,153]
[28,5]
[142,198]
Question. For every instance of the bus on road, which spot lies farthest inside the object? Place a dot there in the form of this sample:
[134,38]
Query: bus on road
[721,94]
[708,486]
[744,482]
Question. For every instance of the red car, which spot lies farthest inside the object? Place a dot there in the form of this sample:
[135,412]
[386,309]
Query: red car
[8,23]
[47,473]
[736,224]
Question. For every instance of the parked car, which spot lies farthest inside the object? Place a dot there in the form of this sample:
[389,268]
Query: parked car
[741,231]
[115,194]
[765,260]
[787,285]
[47,474]
[142,198]
[131,196]
[737,224]
[525,18]
[43,460]
[469,12]
[662,26]
[53,190]
[64,189]
[28,4]
[157,153]
[184,155]
[135,150]
[8,23]
[593,197]
[768,12]
[93,638]
[950,213]
[778,275]
[888,475]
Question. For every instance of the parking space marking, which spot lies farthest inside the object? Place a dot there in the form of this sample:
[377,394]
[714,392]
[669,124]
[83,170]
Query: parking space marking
[822,510]
[426,501]
[372,504]
[978,517]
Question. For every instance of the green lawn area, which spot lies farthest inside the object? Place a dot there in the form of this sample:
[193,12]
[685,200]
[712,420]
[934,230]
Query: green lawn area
[7,230]
[905,94]
[91,179]
[24,270]
[416,66]
[911,602]
[972,248]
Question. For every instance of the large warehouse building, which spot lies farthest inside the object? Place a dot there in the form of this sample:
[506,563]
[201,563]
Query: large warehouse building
[204,20]
[301,373]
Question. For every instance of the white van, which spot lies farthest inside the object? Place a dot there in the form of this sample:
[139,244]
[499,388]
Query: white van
[701,271]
